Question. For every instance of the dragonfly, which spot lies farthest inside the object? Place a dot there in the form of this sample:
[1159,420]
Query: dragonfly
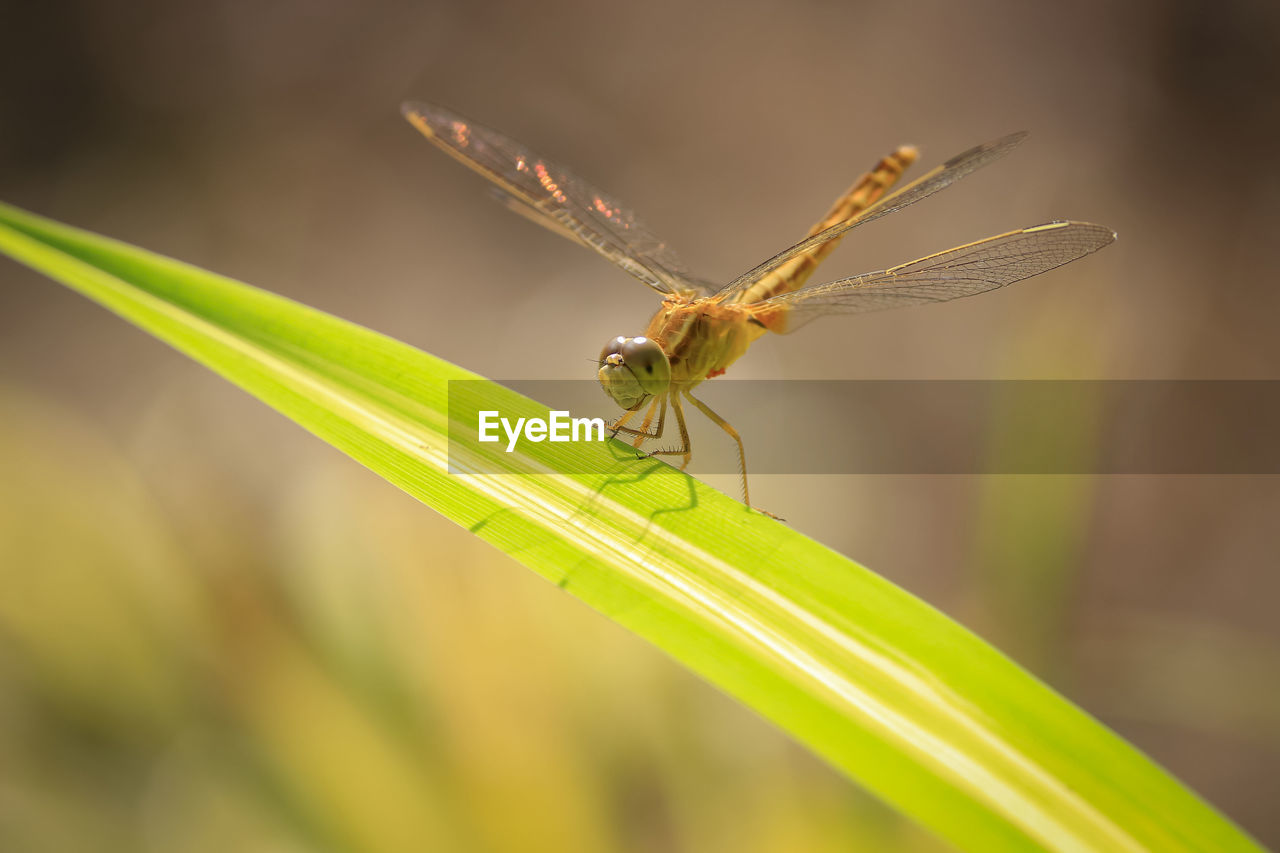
[702,328]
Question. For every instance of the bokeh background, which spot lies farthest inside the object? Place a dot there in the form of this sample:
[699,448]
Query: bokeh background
[216,633]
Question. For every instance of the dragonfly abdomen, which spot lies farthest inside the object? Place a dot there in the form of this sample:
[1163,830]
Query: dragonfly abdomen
[866,191]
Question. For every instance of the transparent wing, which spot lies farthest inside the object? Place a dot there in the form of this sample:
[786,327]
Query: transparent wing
[938,179]
[536,216]
[533,214]
[541,190]
[963,271]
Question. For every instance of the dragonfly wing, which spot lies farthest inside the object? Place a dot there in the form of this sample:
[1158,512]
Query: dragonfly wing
[963,271]
[541,190]
[533,214]
[938,179]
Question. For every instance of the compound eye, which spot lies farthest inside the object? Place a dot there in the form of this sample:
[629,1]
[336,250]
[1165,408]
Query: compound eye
[647,362]
[612,348]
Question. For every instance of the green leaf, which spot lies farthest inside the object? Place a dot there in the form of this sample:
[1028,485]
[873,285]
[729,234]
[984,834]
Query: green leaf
[896,695]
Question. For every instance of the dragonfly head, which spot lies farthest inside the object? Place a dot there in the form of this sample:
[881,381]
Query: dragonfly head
[632,370]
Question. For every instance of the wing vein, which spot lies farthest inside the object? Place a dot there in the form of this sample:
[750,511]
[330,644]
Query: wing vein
[963,271]
[936,180]
[537,187]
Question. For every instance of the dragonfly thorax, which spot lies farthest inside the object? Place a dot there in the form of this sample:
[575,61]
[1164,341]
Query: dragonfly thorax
[632,370]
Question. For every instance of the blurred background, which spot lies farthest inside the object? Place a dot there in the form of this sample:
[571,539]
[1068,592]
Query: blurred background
[217,633]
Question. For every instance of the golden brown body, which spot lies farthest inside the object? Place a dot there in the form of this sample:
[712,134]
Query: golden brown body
[701,328]
[702,337]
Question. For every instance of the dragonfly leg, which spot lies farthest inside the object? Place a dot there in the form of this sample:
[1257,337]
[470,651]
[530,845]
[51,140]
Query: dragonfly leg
[620,424]
[724,425]
[685,450]
[642,434]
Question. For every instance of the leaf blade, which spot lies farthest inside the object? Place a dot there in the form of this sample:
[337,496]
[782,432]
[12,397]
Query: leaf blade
[893,693]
